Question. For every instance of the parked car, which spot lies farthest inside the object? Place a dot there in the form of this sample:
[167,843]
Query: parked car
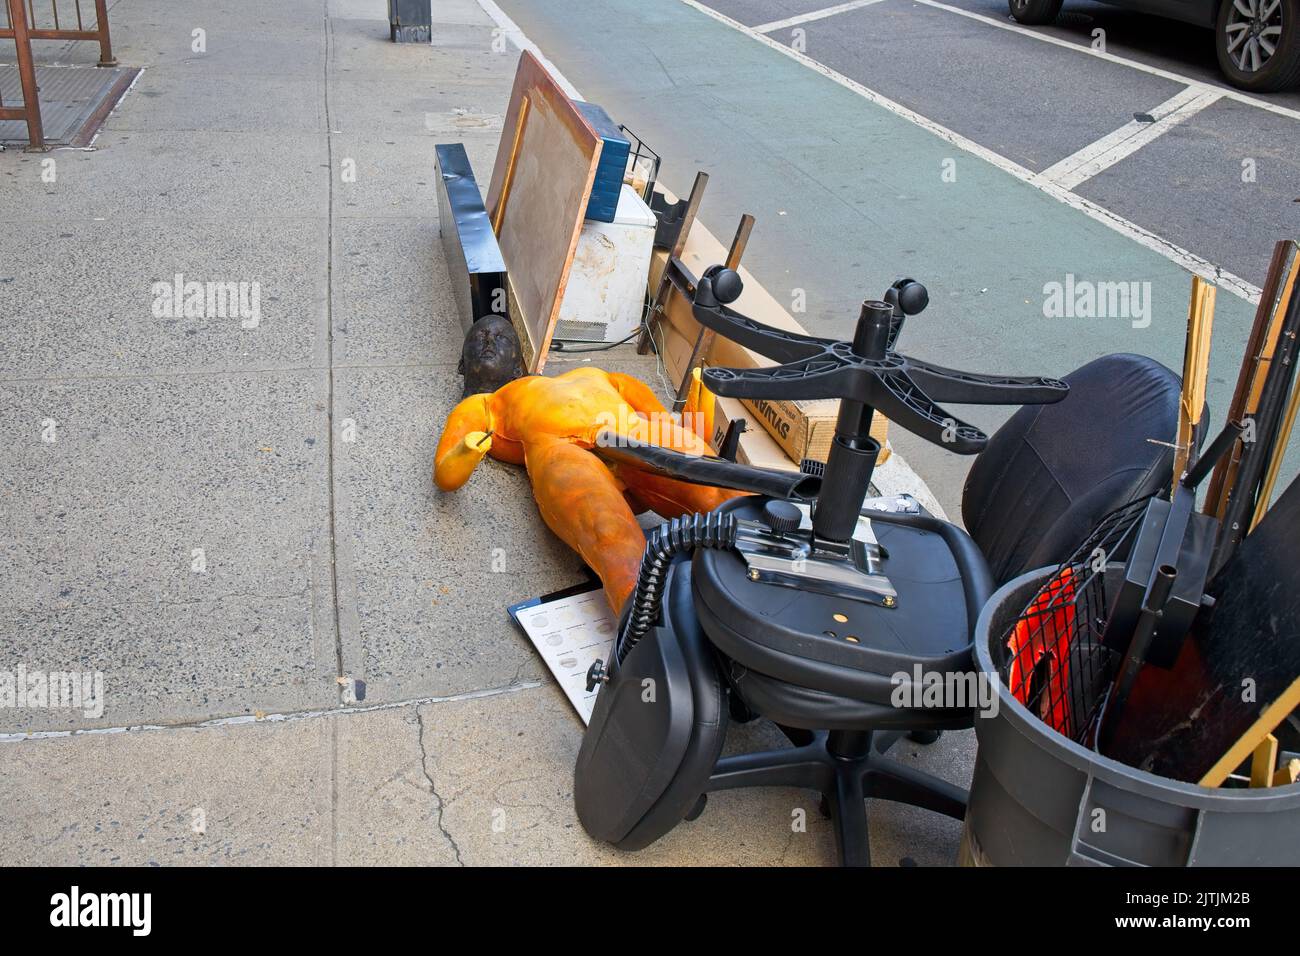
[1257,41]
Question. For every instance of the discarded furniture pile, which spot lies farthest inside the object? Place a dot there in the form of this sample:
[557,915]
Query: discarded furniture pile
[1117,618]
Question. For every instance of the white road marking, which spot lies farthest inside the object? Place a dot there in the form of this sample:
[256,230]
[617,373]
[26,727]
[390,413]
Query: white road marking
[1128,139]
[1226,92]
[1174,253]
[511,31]
[810,17]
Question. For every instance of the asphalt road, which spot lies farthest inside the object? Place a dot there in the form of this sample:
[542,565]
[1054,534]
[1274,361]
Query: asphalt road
[1036,102]
[841,155]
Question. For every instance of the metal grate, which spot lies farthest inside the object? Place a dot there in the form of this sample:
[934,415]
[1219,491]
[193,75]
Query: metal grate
[576,330]
[642,166]
[74,101]
[1054,661]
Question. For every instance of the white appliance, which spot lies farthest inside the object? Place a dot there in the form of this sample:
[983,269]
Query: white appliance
[605,297]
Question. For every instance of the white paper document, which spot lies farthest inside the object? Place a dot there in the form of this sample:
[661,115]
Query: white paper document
[570,633]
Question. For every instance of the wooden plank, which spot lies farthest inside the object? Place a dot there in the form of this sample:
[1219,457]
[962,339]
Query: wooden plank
[1279,285]
[1256,736]
[1287,774]
[704,341]
[1262,762]
[661,287]
[537,200]
[1279,452]
[1196,366]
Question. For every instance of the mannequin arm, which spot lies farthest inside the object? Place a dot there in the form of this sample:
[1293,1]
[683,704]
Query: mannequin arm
[466,438]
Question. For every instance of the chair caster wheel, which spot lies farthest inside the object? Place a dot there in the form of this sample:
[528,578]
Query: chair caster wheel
[924,736]
[696,810]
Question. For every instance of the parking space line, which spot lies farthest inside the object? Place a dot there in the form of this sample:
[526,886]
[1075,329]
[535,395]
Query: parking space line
[1144,237]
[1128,139]
[1225,92]
[810,17]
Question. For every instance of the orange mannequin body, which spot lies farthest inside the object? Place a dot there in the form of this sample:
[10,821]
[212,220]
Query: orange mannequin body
[549,425]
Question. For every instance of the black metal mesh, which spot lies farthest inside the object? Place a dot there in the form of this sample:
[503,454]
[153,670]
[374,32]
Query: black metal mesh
[641,160]
[1054,661]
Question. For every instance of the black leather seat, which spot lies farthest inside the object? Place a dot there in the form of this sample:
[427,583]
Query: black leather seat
[1039,487]
[1052,471]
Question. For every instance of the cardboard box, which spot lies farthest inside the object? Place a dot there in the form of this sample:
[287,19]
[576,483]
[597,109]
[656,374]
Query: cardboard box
[757,447]
[804,429]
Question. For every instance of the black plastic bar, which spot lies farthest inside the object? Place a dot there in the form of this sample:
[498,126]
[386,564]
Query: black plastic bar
[968,388]
[1162,584]
[1221,445]
[853,452]
[699,470]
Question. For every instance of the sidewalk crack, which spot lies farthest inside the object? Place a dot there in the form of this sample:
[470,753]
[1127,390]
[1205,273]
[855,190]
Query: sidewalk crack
[433,788]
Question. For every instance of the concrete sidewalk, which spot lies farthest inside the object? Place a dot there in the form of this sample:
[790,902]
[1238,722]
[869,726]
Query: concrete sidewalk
[232,518]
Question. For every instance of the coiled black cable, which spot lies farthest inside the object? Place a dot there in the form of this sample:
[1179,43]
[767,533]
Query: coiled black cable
[681,535]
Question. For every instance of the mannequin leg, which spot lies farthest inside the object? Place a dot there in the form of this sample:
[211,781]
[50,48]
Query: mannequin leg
[582,502]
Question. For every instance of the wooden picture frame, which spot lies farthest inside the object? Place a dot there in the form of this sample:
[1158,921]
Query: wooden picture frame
[537,200]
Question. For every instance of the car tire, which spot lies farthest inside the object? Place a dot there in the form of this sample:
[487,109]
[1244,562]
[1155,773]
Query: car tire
[1034,12]
[1243,32]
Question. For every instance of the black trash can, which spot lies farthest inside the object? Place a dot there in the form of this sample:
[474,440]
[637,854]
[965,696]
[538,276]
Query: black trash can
[1040,799]
[410,21]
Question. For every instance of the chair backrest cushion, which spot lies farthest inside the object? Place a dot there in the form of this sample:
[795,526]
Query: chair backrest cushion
[1052,471]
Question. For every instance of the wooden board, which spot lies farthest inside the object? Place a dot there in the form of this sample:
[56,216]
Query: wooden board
[1237,677]
[1279,285]
[1196,366]
[537,200]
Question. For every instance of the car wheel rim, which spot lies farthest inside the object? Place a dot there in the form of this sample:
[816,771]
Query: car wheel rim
[1253,32]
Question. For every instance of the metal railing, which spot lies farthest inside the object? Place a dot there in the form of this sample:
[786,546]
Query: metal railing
[23,27]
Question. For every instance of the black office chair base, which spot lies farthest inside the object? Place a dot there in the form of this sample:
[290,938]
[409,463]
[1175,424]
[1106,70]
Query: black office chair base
[846,768]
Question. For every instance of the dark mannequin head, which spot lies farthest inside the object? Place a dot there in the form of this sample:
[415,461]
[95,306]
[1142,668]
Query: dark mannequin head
[490,356]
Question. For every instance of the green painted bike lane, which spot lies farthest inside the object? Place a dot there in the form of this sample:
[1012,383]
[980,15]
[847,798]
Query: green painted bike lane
[848,195]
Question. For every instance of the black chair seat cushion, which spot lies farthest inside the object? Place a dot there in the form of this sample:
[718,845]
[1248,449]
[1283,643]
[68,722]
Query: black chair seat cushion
[793,636]
[1053,471]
